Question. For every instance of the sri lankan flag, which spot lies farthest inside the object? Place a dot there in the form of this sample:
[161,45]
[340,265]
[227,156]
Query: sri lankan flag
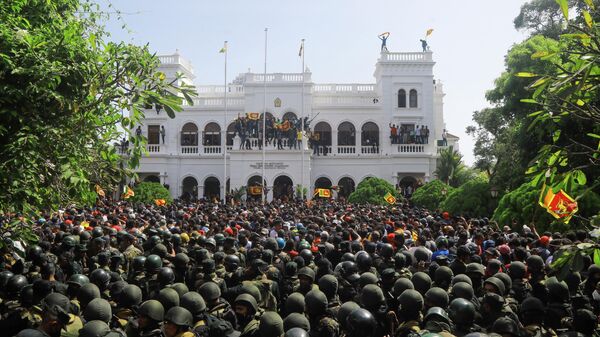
[253,116]
[128,192]
[99,191]
[160,202]
[323,192]
[560,205]
[224,49]
[389,198]
[255,190]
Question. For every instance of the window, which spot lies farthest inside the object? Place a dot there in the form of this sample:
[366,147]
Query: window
[346,134]
[401,98]
[212,134]
[189,135]
[413,98]
[153,134]
[370,134]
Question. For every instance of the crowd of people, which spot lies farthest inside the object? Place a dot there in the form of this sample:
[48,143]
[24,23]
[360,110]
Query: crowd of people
[277,131]
[296,269]
[409,134]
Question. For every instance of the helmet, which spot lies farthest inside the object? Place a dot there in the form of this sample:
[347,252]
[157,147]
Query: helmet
[316,302]
[558,291]
[152,309]
[367,278]
[69,242]
[137,264]
[130,296]
[497,283]
[475,268]
[168,297]
[165,276]
[181,260]
[364,261]
[94,329]
[535,264]
[87,292]
[461,311]
[296,320]
[399,261]
[461,278]
[280,243]
[100,277]
[210,291]
[78,280]
[153,263]
[462,290]
[271,325]
[307,255]
[179,316]
[505,326]
[84,236]
[247,300]
[344,311]
[97,232]
[180,288]
[98,309]
[307,272]
[5,275]
[231,262]
[443,276]
[410,301]
[160,250]
[436,297]
[361,322]
[371,297]
[387,250]
[33,252]
[517,270]
[328,284]
[532,305]
[421,281]
[421,254]
[15,284]
[348,257]
[505,278]
[295,332]
[295,303]
[194,303]
[437,314]
[402,284]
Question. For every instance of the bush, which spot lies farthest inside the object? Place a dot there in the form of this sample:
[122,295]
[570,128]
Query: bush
[372,191]
[430,195]
[472,199]
[147,192]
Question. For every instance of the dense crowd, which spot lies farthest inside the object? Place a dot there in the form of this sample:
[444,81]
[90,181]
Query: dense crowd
[293,269]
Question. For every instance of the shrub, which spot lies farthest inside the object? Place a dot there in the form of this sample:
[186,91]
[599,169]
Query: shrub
[372,191]
[147,192]
[430,195]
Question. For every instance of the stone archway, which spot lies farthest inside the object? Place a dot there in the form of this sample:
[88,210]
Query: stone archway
[254,187]
[407,185]
[346,186]
[189,188]
[212,188]
[283,188]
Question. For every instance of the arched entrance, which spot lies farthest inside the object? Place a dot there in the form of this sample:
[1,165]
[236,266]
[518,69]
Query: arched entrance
[212,188]
[345,187]
[323,182]
[189,189]
[407,186]
[283,188]
[370,138]
[152,179]
[321,140]
[254,187]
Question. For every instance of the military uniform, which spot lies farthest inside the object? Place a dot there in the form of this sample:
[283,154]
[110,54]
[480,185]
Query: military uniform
[73,327]
[408,329]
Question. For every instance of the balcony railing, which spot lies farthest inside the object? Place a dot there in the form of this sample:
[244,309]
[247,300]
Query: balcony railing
[346,150]
[411,148]
[189,150]
[153,148]
[212,149]
[369,149]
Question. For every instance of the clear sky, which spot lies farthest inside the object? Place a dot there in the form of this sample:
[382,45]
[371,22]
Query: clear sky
[469,42]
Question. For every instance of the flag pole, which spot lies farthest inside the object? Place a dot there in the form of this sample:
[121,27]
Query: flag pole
[264,123]
[302,125]
[225,126]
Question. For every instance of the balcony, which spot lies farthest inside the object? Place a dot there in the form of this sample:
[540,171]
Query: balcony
[369,150]
[346,150]
[410,148]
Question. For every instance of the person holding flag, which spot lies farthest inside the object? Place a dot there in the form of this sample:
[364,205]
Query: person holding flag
[424,41]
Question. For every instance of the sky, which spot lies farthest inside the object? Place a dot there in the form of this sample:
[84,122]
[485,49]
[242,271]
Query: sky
[469,41]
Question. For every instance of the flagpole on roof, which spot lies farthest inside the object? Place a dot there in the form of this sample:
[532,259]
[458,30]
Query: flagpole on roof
[302,124]
[264,135]
[224,182]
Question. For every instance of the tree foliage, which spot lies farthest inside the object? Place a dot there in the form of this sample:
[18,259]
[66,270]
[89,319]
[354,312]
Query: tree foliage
[371,191]
[147,192]
[430,195]
[66,90]
[471,199]
[450,168]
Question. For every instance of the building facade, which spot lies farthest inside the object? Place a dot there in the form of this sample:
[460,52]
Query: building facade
[350,125]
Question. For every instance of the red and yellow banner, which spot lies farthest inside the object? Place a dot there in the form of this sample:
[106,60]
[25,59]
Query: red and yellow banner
[255,190]
[389,198]
[128,193]
[559,204]
[160,202]
[253,116]
[99,191]
[323,192]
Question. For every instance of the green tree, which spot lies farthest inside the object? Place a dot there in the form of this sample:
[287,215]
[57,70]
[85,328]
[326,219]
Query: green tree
[431,194]
[67,95]
[470,199]
[450,167]
[147,192]
[372,191]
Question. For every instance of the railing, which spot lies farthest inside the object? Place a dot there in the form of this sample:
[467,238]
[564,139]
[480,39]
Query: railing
[344,149]
[369,149]
[216,89]
[278,77]
[345,100]
[176,59]
[153,148]
[407,57]
[323,150]
[189,150]
[411,148]
[212,149]
[347,88]
[215,102]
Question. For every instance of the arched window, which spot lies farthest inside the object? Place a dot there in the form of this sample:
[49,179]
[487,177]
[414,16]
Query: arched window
[230,134]
[413,98]
[323,132]
[370,134]
[189,188]
[401,98]
[323,182]
[290,116]
[212,188]
[212,134]
[346,186]
[189,135]
[346,134]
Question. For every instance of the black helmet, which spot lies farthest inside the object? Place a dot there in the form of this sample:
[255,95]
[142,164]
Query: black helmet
[295,303]
[101,278]
[437,314]
[505,326]
[410,301]
[367,278]
[181,260]
[399,261]
[344,311]
[15,284]
[168,297]
[295,332]
[461,278]
[130,296]
[87,292]
[271,325]
[364,261]
[247,300]
[94,329]
[69,242]
[421,281]
[558,291]
[249,288]
[329,285]
[231,262]
[5,275]
[505,278]
[461,311]
[531,305]
[400,285]
[535,264]
[348,257]
[194,303]
[436,297]
[33,252]
[98,309]
[316,302]
[78,280]
[371,297]
[138,262]
[97,232]
[387,250]
[307,272]
[307,255]
[180,316]
[152,309]
[421,254]
[496,283]
[443,276]
[153,263]
[517,270]
[361,322]
[210,291]
[165,276]
[462,290]
[296,320]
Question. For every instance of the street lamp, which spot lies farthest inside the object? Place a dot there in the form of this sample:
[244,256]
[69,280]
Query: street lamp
[444,191]
[494,192]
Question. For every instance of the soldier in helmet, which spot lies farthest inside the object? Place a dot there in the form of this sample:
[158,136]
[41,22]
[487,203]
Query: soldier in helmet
[150,315]
[269,289]
[130,251]
[373,300]
[348,281]
[409,314]
[203,321]
[306,278]
[149,284]
[181,267]
[361,323]
[129,299]
[436,321]
[136,270]
[209,275]
[178,323]
[217,306]
[322,322]
[462,314]
[246,310]
[55,317]
[270,325]
[328,284]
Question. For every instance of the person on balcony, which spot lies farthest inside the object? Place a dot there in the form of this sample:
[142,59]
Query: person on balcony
[417,135]
[163,132]
[394,133]
[383,37]
[444,138]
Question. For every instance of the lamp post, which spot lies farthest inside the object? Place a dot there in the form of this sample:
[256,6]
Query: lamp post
[494,192]
[444,191]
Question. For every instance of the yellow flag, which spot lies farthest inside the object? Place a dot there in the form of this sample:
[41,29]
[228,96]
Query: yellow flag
[429,31]
[224,49]
[129,193]
[389,198]
[99,191]
[160,202]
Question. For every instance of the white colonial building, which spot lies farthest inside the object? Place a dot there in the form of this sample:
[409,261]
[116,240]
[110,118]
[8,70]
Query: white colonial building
[352,122]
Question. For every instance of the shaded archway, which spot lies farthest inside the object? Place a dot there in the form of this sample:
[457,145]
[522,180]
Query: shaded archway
[230,134]
[345,187]
[290,116]
[189,135]
[322,138]
[212,134]
[346,134]
[412,98]
[152,179]
[323,182]
[212,188]
[370,138]
[189,188]
[254,187]
[402,98]
[283,188]
[407,185]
